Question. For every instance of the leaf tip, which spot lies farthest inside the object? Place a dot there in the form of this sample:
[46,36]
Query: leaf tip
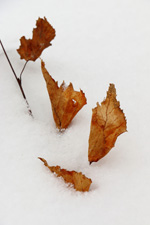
[42,63]
[44,161]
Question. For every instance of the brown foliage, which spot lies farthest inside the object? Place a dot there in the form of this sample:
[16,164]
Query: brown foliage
[80,182]
[43,34]
[64,100]
[108,122]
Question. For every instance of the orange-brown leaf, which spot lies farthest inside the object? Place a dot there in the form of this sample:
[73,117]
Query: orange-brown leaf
[108,122]
[80,182]
[43,34]
[64,100]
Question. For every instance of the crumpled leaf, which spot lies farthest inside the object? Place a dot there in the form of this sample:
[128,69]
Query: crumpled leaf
[80,182]
[43,34]
[108,122]
[64,100]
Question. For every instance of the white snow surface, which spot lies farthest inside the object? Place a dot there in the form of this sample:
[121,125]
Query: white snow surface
[97,42]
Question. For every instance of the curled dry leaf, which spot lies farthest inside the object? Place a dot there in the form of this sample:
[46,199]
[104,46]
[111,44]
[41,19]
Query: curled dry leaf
[79,181]
[43,34]
[64,100]
[108,122]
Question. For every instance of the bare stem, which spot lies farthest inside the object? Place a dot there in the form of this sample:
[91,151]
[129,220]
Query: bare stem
[18,79]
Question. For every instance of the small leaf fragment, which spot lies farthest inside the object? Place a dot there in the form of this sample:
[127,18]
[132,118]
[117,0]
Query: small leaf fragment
[108,122]
[43,34]
[80,181]
[64,100]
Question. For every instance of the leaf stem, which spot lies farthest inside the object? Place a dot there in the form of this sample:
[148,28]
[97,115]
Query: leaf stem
[17,79]
[22,71]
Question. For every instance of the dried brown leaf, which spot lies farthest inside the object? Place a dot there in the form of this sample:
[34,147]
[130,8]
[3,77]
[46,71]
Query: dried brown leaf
[43,34]
[80,182]
[64,100]
[108,122]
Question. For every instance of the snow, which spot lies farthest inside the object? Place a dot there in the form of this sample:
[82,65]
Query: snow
[97,42]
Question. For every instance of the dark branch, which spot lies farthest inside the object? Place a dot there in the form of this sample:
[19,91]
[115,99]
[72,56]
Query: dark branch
[8,60]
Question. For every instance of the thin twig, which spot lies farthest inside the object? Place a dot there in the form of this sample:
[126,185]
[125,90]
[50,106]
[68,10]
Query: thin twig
[22,71]
[18,79]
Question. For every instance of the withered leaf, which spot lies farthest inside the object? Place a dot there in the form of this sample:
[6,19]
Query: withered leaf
[80,182]
[108,122]
[43,34]
[64,100]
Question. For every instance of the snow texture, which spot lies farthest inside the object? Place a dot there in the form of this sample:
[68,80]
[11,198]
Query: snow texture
[97,42]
